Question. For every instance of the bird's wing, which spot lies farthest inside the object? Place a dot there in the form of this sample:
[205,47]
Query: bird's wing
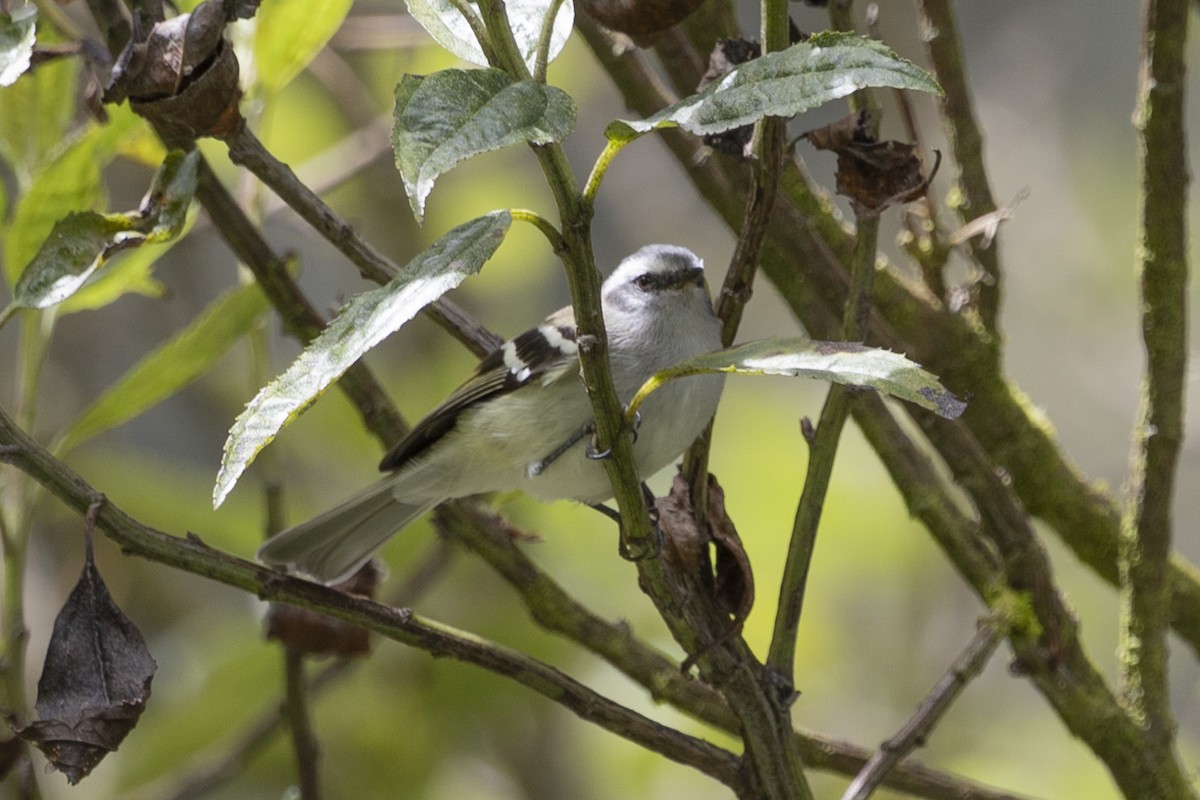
[542,354]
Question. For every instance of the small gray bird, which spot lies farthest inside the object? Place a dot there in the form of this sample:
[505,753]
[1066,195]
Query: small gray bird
[523,419]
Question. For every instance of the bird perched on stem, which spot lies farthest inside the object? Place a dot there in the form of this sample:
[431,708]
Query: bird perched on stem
[523,419]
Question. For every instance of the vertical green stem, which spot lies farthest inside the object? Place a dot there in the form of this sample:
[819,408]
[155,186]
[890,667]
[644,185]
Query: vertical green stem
[1145,546]
[824,442]
[583,280]
[767,148]
[19,493]
[822,453]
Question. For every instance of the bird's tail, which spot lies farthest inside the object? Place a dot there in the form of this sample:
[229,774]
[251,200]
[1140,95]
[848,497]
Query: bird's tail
[332,546]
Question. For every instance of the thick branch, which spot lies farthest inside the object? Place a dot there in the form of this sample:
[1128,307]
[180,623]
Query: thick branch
[806,249]
[822,453]
[1163,266]
[401,625]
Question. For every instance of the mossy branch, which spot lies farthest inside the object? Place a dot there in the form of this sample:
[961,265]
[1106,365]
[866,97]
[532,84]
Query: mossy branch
[806,253]
[190,554]
[1163,268]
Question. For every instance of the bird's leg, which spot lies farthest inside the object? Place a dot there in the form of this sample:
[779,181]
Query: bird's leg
[612,514]
[539,466]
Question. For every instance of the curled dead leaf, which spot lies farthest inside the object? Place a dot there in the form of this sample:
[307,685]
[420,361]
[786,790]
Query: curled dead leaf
[734,581]
[874,174]
[726,574]
[183,77]
[727,54]
[95,681]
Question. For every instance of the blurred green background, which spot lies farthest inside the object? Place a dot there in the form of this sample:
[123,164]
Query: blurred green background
[1055,87]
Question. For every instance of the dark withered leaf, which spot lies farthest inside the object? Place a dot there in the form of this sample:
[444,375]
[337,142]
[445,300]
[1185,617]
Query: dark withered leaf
[727,54]
[184,77]
[95,681]
[683,546]
[306,631]
[842,134]
[176,50]
[734,580]
[730,579]
[873,174]
[880,175]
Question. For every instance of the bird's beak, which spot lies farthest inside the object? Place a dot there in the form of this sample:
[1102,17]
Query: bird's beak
[684,278]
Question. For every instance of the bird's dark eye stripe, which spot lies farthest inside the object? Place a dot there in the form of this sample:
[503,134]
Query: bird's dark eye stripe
[655,281]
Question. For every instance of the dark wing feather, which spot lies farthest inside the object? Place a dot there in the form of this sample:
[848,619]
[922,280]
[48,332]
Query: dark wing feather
[518,362]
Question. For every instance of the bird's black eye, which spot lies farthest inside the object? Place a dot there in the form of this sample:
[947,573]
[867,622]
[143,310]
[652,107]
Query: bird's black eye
[644,282]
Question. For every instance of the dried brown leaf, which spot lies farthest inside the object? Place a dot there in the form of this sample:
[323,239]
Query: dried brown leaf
[734,579]
[95,681]
[873,174]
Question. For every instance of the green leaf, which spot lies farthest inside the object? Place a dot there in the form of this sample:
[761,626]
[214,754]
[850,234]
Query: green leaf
[363,323]
[80,243]
[826,67]
[171,366]
[130,273]
[455,114]
[16,43]
[68,183]
[164,208]
[528,18]
[77,247]
[288,35]
[35,114]
[450,29]
[847,363]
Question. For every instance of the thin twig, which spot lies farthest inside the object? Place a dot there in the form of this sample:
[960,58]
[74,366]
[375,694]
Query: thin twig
[401,625]
[304,738]
[545,39]
[1163,265]
[246,150]
[917,729]
[583,283]
[299,317]
[966,143]
[233,757]
[739,281]
[822,453]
